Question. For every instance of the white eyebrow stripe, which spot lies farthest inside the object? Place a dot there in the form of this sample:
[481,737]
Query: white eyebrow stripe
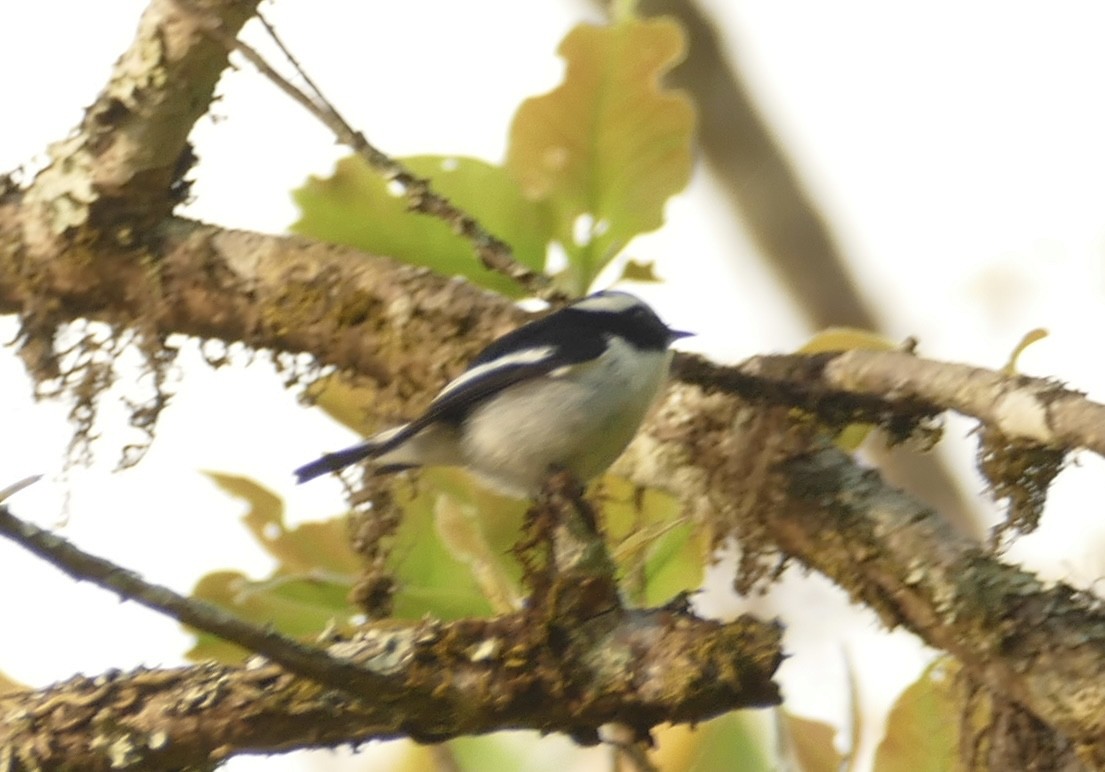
[529,356]
[614,302]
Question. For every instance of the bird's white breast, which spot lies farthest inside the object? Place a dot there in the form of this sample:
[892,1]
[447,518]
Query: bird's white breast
[580,417]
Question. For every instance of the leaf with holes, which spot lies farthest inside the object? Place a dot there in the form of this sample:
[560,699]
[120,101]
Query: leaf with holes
[608,147]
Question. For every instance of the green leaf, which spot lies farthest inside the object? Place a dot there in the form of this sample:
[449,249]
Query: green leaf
[922,730]
[608,147]
[656,549]
[307,592]
[635,270]
[730,741]
[1030,337]
[480,528]
[355,206]
[436,559]
[301,607]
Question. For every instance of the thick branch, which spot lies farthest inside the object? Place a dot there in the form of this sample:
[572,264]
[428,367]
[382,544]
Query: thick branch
[1041,645]
[411,331]
[573,661]
[122,168]
[406,328]
[1020,407]
[438,681]
[570,665]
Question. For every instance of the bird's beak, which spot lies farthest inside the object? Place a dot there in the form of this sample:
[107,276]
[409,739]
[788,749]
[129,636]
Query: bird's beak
[677,334]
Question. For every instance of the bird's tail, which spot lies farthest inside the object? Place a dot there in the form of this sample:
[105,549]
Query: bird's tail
[374,447]
[332,462]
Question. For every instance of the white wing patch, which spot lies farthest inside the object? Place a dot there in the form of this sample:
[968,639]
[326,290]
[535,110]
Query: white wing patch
[530,356]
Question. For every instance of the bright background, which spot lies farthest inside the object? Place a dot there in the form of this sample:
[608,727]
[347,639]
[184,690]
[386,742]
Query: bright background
[956,150]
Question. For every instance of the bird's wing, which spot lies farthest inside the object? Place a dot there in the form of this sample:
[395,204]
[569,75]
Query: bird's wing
[493,371]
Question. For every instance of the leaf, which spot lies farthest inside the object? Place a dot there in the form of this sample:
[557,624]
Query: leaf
[317,547]
[435,563]
[355,206]
[516,752]
[731,741]
[301,607]
[811,743]
[470,523]
[635,270]
[341,398]
[922,730]
[308,590]
[656,549]
[1029,338]
[847,339]
[608,147]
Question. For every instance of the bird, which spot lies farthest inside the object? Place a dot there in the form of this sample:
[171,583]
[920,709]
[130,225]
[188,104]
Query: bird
[566,391]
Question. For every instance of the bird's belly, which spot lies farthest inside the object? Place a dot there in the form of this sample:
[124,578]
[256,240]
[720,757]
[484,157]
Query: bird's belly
[583,430]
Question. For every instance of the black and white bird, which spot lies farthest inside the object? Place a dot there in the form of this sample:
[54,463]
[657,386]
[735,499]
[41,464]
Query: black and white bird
[566,391]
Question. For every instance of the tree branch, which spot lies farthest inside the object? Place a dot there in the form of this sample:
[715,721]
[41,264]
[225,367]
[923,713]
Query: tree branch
[1041,645]
[899,390]
[90,238]
[122,169]
[295,657]
[1037,410]
[421,197]
[407,329]
[570,667]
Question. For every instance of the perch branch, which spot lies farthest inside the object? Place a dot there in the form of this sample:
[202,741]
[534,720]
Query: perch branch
[429,680]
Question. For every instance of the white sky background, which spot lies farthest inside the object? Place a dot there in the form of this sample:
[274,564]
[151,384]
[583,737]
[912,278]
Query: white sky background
[956,150]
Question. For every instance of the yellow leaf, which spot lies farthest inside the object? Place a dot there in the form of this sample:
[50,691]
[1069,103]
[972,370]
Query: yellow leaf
[811,742]
[846,339]
[1029,338]
[922,730]
[344,401]
[608,147]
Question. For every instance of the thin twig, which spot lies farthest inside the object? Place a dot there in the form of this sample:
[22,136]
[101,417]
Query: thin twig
[493,253]
[16,487]
[303,660]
